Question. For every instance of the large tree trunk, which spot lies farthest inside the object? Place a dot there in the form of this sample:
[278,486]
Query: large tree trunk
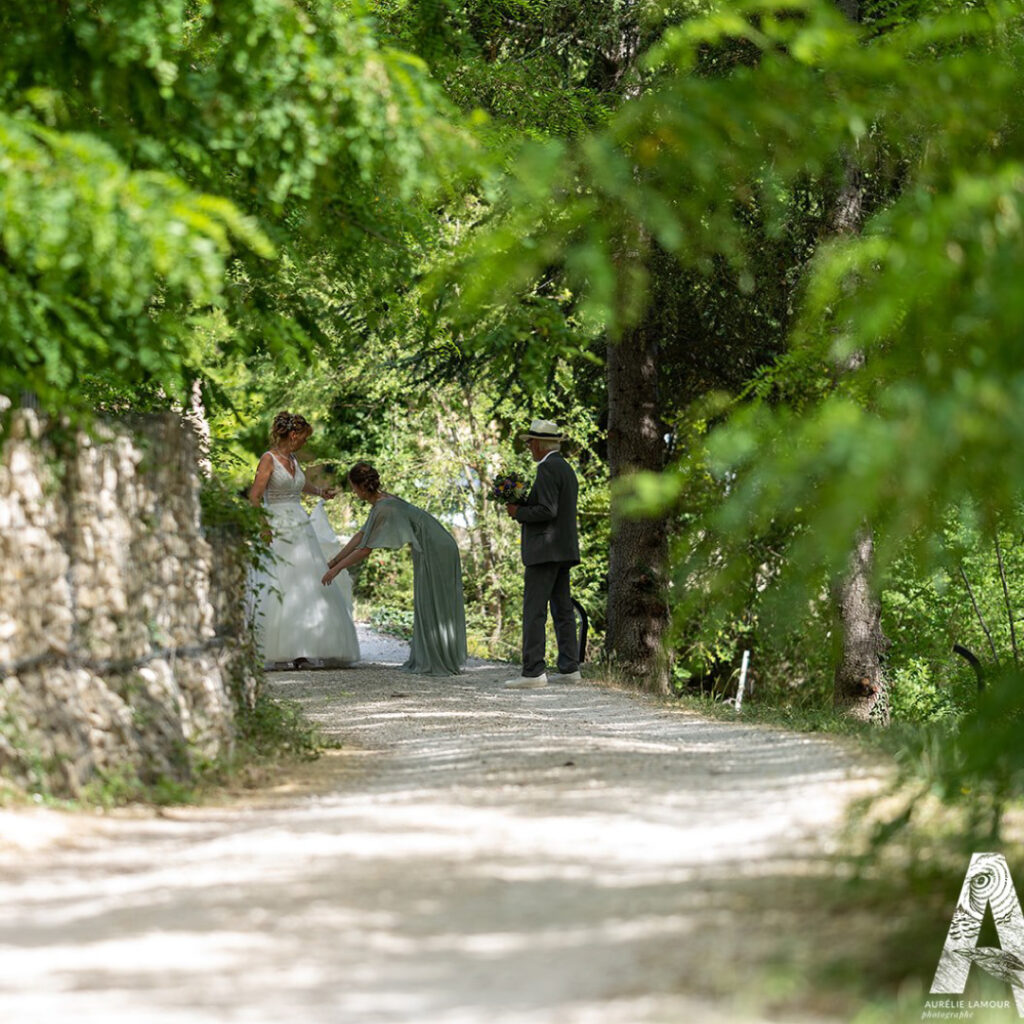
[859,689]
[637,606]
[637,609]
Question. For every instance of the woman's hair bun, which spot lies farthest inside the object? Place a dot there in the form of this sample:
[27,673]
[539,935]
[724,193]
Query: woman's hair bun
[285,422]
[365,476]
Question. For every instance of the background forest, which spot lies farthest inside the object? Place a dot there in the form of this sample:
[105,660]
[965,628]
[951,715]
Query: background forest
[761,261]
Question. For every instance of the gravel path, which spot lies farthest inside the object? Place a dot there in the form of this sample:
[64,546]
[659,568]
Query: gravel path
[572,855]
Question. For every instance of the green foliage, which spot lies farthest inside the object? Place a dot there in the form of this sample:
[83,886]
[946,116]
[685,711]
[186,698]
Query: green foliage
[224,509]
[973,601]
[117,788]
[913,295]
[39,770]
[972,763]
[99,260]
[392,623]
[161,163]
[537,67]
[926,293]
[915,697]
[274,730]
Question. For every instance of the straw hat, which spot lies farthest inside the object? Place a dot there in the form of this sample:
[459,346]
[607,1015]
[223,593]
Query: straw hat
[542,430]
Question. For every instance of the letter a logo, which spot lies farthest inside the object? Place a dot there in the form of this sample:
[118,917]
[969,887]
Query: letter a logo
[988,883]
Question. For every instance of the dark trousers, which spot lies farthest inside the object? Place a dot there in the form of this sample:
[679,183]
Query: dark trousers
[548,584]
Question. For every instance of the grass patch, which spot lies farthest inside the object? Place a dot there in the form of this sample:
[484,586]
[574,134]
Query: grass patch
[886,742]
[271,737]
[275,728]
[799,717]
[122,787]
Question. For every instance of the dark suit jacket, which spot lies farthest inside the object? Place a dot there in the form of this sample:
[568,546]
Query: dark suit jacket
[548,516]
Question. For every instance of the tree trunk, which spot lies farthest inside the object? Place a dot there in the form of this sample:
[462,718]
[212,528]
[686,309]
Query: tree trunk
[637,608]
[859,688]
[638,556]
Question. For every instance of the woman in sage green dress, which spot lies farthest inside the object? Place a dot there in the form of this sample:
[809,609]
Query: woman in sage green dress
[439,616]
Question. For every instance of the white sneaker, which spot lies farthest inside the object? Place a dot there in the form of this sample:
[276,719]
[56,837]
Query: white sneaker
[527,682]
[566,677]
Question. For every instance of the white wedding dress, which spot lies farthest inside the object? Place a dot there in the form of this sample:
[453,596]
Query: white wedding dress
[294,614]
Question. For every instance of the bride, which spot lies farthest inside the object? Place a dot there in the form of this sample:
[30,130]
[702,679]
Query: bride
[296,619]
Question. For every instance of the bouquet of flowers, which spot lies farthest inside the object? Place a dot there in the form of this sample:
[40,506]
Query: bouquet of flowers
[509,489]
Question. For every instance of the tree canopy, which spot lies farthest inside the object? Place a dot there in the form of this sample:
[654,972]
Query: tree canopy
[757,117]
[165,164]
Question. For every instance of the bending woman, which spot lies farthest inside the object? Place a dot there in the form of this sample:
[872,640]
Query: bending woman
[439,616]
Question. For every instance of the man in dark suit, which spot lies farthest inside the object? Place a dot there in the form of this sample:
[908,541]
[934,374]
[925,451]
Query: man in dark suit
[550,547]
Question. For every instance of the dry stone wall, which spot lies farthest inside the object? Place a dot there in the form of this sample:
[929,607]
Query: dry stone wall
[124,652]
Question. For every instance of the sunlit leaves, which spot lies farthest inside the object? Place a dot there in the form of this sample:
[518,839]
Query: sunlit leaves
[752,104]
[156,159]
[90,247]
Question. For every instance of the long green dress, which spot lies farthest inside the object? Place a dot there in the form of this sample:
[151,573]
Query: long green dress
[439,615]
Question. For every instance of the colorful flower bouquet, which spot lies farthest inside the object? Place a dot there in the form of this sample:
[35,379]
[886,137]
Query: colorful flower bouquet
[509,489]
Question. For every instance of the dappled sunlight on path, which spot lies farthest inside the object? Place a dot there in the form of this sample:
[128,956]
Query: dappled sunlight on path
[564,855]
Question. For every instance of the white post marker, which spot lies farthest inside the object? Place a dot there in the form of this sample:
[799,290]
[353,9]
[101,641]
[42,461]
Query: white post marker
[743,679]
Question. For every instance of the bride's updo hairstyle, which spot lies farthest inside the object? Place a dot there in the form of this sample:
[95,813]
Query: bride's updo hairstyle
[365,476]
[285,423]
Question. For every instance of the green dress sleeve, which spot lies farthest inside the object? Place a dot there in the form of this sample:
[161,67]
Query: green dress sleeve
[388,526]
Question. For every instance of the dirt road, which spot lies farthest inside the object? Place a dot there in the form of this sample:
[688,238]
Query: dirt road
[572,855]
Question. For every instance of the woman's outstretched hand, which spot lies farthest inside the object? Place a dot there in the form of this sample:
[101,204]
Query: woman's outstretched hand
[329,576]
